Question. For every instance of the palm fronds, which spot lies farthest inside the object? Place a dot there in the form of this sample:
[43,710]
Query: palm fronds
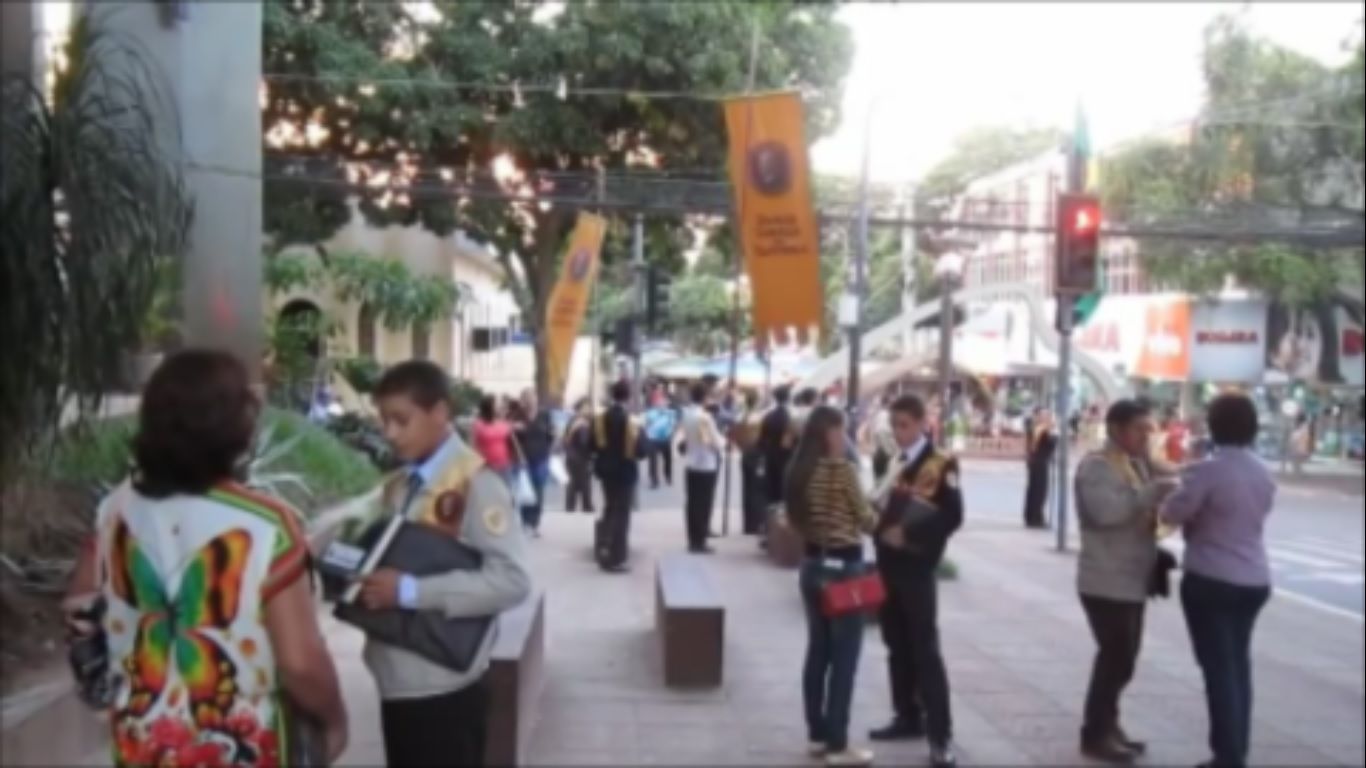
[92,203]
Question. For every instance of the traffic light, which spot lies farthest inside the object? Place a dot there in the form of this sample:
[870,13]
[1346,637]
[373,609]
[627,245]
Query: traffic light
[1077,255]
[1084,307]
[657,288]
[624,336]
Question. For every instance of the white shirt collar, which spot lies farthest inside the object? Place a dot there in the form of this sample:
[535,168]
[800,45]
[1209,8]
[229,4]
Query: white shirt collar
[917,448]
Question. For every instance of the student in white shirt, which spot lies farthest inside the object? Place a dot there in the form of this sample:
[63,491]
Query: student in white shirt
[703,460]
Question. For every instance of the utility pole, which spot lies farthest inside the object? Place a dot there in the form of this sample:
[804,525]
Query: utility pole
[908,258]
[860,280]
[1076,182]
[637,337]
[728,458]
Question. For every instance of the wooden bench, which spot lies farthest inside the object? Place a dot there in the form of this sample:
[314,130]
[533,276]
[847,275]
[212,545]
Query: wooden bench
[691,622]
[784,546]
[516,677]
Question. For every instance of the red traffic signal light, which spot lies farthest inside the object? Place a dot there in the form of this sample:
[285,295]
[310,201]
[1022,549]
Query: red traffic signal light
[1077,256]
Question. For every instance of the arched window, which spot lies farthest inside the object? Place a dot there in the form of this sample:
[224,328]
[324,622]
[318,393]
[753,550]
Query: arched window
[422,342]
[365,332]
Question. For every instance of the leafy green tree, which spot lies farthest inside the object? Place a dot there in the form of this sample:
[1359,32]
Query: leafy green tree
[1279,141]
[555,136]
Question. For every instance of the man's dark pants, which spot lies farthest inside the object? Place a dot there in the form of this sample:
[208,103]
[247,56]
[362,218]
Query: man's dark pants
[699,497]
[1220,617]
[752,492]
[437,730]
[910,628]
[661,455]
[1117,627]
[616,519]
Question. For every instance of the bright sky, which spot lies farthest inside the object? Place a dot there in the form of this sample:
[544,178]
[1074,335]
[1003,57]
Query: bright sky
[943,68]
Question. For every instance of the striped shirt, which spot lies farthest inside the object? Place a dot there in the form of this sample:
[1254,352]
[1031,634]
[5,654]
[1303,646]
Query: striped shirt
[837,513]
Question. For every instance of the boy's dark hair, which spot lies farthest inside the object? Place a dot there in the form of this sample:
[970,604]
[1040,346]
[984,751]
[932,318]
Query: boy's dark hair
[909,405]
[620,392]
[808,396]
[1126,412]
[1233,421]
[421,381]
[197,419]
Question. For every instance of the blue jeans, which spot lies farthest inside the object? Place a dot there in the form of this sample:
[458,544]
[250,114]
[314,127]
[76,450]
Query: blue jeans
[1220,617]
[832,653]
[539,474]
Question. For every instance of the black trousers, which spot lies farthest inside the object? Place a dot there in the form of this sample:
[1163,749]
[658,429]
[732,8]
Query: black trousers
[616,523]
[436,731]
[1036,495]
[1220,617]
[909,619]
[700,497]
[752,493]
[661,456]
[580,487]
[1117,627]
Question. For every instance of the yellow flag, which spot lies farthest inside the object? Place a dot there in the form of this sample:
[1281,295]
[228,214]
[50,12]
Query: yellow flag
[778,230]
[569,299]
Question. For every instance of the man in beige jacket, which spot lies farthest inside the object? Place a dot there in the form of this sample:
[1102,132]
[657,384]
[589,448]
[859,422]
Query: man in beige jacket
[1117,497]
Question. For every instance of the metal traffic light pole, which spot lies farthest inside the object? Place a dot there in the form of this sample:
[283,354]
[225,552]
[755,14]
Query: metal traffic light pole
[1076,182]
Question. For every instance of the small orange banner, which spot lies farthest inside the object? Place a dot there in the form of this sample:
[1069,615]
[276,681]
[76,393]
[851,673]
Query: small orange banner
[569,299]
[1166,341]
[778,231]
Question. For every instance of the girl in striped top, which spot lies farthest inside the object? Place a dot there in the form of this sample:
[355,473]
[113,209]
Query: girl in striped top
[825,504]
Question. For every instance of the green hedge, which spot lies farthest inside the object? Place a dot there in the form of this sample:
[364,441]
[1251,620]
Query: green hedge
[99,454]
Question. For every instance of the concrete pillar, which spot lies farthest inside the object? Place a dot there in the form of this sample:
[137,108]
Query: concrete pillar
[210,54]
[19,25]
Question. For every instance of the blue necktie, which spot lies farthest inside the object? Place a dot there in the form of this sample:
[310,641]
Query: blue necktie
[415,484]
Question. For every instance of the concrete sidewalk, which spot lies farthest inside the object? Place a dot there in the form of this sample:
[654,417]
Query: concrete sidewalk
[1015,639]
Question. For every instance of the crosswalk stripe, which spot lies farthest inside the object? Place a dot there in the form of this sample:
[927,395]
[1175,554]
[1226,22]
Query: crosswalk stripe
[1279,554]
[1318,549]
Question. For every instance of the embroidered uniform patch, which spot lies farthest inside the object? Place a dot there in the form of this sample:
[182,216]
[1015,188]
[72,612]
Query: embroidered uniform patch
[496,520]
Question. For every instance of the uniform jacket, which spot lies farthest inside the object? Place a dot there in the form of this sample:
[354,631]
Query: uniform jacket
[932,478]
[482,505]
[1115,503]
[618,446]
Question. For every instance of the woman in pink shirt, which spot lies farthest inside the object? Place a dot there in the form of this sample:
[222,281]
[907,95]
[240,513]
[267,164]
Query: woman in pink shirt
[492,435]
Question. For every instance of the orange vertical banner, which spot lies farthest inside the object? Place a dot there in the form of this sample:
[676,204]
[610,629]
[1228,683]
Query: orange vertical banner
[569,299]
[778,231]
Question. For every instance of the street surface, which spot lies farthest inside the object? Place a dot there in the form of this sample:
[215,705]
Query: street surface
[1316,539]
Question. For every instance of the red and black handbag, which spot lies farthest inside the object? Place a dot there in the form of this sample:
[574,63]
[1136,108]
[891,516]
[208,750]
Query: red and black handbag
[860,594]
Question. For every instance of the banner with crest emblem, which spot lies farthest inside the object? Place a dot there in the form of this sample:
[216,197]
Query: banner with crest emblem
[778,230]
[569,299]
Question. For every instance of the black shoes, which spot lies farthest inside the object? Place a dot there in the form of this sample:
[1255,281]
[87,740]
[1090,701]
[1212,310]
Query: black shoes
[702,550]
[899,730]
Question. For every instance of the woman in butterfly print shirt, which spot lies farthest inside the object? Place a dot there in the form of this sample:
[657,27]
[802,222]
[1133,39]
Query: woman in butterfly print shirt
[210,620]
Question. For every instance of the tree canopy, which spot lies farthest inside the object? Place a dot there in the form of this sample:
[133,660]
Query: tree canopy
[545,99]
[1279,140]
